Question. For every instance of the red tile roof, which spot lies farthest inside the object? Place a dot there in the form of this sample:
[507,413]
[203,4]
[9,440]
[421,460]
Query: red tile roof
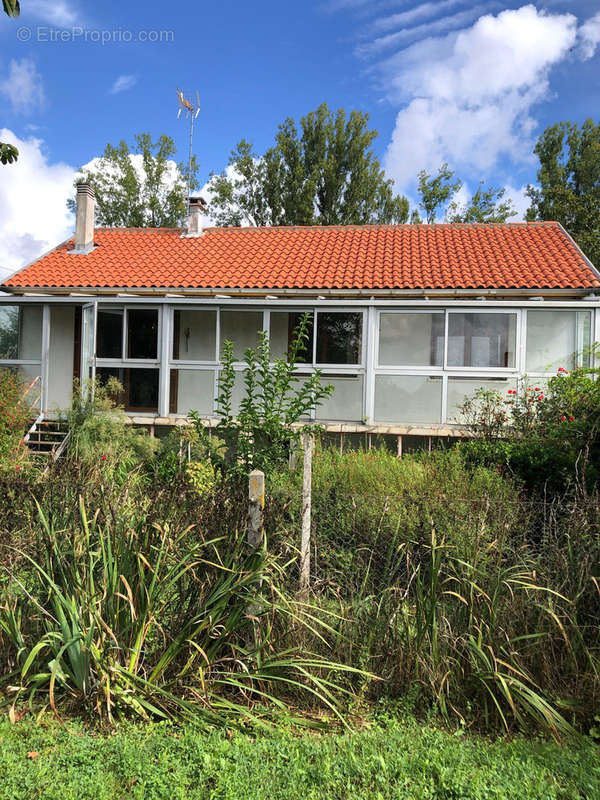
[515,255]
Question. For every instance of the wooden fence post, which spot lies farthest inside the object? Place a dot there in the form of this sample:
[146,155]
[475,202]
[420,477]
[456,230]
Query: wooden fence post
[306,516]
[256,507]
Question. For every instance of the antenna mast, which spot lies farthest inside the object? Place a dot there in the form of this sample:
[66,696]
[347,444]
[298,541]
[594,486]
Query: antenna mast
[191,109]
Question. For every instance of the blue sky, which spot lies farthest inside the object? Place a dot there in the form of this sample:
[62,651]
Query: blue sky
[469,83]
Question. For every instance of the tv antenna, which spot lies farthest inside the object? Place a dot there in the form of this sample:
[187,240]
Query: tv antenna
[191,110]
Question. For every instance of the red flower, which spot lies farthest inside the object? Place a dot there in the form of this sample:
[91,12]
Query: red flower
[102,458]
[17,467]
[536,389]
[563,418]
[563,371]
[571,419]
[540,397]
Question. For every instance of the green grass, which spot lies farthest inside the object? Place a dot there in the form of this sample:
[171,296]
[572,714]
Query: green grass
[395,759]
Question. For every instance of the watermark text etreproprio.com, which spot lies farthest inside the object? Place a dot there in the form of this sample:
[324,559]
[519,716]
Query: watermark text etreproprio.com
[47,34]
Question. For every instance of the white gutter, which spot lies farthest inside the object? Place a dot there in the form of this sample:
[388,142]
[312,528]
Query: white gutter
[134,291]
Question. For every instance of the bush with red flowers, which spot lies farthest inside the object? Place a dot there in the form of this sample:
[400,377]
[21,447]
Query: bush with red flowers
[14,416]
[546,435]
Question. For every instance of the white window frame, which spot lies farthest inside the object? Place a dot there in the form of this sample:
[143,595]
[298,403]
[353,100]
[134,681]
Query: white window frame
[593,337]
[485,370]
[414,368]
[139,363]
[42,361]
[124,360]
[184,362]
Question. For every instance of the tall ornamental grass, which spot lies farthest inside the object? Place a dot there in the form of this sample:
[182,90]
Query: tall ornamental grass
[453,588]
[153,620]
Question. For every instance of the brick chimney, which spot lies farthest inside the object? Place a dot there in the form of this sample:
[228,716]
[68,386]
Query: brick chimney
[84,219]
[194,221]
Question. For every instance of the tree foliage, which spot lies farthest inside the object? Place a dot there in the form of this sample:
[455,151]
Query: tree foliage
[8,152]
[439,192]
[486,205]
[141,186]
[12,7]
[569,182]
[436,191]
[322,173]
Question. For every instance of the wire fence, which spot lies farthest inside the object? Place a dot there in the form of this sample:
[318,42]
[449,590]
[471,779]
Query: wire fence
[367,542]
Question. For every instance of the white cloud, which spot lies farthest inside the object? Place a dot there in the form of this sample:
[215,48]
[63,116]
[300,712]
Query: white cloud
[589,35]
[123,83]
[23,86]
[60,13]
[33,196]
[412,15]
[427,29]
[468,96]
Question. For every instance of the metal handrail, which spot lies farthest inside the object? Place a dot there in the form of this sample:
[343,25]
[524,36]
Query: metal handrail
[37,379]
[58,451]
[37,421]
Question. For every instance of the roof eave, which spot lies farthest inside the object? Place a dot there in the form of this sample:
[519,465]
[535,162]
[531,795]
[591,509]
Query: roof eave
[304,292]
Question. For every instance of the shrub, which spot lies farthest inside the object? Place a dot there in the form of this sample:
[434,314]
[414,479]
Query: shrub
[14,415]
[549,438]
[261,434]
[101,436]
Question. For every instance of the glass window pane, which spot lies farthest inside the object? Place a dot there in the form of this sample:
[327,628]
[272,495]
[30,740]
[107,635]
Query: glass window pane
[29,374]
[140,387]
[109,333]
[346,402]
[339,338]
[142,333]
[20,332]
[283,327]
[461,388]
[557,339]
[482,340]
[241,328]
[408,398]
[9,331]
[192,389]
[413,340]
[194,335]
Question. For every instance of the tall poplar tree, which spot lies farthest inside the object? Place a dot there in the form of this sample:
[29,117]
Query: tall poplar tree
[569,182]
[322,172]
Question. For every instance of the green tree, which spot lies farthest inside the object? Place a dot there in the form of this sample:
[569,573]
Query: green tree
[569,182]
[12,7]
[139,187]
[484,206]
[321,174]
[8,152]
[436,191]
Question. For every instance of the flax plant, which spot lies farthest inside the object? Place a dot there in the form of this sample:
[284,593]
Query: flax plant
[157,623]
